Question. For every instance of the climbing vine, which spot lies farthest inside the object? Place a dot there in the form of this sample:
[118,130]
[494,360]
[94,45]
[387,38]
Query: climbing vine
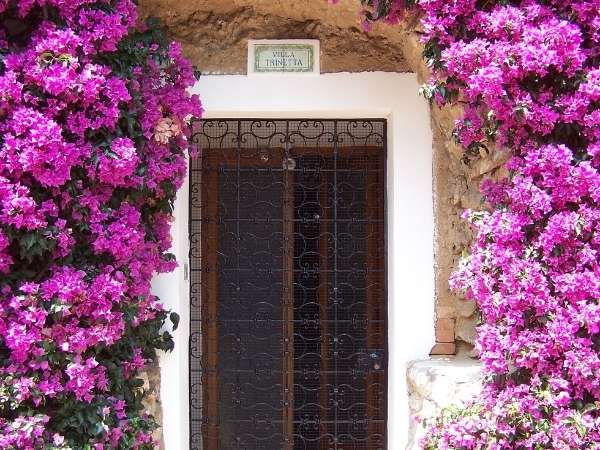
[94,115]
[527,73]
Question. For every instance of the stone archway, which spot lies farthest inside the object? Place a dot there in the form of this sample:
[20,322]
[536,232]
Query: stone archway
[214,36]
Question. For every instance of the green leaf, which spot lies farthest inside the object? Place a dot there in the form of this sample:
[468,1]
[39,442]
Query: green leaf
[174,317]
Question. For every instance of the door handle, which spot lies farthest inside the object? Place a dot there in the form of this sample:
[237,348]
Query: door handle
[371,360]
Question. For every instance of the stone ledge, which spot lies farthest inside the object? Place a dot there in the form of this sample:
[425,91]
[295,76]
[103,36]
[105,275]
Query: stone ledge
[435,383]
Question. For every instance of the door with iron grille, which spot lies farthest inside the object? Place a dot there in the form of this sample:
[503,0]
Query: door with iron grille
[288,285]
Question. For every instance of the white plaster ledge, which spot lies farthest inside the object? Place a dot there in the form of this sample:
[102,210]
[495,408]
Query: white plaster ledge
[435,383]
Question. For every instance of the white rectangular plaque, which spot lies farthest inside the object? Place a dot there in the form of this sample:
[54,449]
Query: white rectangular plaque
[297,56]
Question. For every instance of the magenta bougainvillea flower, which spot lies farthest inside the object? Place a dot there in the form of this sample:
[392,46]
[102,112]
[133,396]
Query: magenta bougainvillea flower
[528,74]
[94,120]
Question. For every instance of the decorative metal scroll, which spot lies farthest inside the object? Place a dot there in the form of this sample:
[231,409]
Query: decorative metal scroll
[288,331]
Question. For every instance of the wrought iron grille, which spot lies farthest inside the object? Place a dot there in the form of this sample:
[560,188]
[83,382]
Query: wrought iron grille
[288,285]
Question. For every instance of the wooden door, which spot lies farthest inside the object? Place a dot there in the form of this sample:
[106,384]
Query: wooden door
[288,331]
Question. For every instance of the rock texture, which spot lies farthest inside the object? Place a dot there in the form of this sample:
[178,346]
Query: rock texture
[456,187]
[436,383]
[151,402]
[215,33]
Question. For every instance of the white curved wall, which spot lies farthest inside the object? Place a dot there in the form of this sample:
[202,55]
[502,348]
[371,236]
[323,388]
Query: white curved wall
[410,216]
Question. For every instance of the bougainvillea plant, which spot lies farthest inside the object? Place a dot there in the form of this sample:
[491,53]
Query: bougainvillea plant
[94,118]
[528,74]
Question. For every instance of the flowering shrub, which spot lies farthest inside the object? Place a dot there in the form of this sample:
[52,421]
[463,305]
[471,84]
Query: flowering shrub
[528,73]
[94,116]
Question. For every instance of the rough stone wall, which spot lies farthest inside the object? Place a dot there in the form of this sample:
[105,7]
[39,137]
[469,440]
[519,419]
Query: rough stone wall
[215,33]
[435,384]
[456,187]
[151,402]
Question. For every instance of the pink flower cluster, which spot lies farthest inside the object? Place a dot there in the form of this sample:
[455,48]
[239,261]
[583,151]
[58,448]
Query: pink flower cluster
[86,192]
[528,74]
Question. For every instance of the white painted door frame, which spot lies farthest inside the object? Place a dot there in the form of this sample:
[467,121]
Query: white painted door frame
[410,225]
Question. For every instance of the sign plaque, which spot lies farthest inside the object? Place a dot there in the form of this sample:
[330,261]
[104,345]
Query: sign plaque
[297,56]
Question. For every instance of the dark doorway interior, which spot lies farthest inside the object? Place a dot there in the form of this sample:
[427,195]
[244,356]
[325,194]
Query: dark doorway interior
[288,309]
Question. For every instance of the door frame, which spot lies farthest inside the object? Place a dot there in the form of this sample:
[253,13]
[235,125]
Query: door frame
[409,218]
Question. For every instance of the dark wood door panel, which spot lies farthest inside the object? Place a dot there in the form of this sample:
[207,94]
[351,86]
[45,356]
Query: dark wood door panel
[288,322]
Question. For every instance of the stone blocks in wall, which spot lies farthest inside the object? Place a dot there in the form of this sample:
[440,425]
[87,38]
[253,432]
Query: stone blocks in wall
[151,378]
[435,383]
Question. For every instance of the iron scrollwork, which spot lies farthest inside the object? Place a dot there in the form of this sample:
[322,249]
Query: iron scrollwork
[288,285]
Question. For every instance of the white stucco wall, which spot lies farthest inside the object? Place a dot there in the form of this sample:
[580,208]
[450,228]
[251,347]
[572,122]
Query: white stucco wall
[409,209]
